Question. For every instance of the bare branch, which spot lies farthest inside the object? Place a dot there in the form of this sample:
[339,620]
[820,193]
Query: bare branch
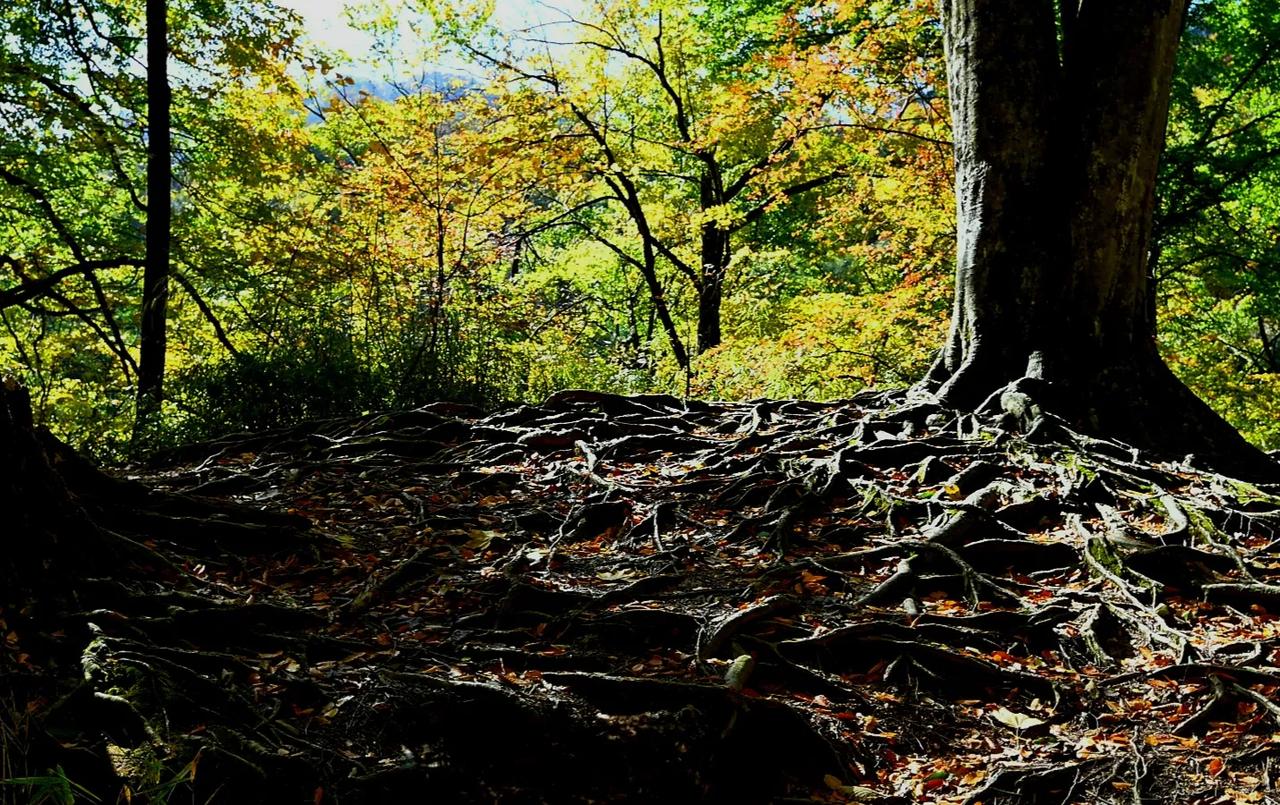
[33,288]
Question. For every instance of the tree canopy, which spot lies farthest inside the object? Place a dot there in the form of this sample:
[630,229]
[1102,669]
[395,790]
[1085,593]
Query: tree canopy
[740,200]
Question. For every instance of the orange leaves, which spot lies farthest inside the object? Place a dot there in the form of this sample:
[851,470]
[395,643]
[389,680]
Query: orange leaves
[1100,743]
[522,679]
[811,583]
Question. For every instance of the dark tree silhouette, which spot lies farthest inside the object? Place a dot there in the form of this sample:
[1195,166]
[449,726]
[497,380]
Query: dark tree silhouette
[155,279]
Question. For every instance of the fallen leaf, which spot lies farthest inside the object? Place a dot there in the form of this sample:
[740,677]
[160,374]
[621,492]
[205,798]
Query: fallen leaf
[1017,721]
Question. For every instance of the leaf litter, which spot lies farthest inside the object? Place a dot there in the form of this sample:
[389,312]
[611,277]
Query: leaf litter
[861,601]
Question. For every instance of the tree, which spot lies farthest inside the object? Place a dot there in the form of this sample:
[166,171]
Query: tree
[155,278]
[68,188]
[73,184]
[1215,256]
[693,126]
[424,209]
[1057,144]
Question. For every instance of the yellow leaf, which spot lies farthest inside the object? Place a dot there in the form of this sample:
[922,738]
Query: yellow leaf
[1017,721]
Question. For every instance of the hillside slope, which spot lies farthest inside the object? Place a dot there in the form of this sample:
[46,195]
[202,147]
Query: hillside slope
[641,599]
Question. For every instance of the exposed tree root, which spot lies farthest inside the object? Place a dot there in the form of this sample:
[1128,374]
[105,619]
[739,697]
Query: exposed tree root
[874,601]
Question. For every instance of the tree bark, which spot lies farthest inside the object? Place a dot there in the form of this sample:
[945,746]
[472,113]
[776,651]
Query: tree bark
[1011,234]
[1056,156]
[715,262]
[155,279]
[47,530]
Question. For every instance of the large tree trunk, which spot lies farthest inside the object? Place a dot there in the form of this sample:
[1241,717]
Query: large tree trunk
[51,540]
[155,278]
[39,511]
[1055,182]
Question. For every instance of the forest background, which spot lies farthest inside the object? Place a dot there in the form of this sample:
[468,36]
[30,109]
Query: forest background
[734,199]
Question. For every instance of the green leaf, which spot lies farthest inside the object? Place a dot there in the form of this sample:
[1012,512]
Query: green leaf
[739,671]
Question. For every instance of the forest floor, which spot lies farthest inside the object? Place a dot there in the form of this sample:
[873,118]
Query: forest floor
[640,599]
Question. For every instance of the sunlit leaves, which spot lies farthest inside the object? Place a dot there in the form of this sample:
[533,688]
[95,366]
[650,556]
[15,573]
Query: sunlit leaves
[1216,228]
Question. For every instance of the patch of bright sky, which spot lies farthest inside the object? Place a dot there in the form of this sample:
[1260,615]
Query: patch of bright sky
[328,23]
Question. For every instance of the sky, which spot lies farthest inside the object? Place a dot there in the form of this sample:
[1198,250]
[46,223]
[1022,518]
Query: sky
[325,21]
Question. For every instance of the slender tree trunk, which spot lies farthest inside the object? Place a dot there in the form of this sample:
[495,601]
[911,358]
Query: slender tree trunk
[714,254]
[715,262]
[650,271]
[1056,161]
[155,279]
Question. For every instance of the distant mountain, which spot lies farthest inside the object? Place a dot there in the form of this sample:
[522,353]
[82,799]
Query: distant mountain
[451,85]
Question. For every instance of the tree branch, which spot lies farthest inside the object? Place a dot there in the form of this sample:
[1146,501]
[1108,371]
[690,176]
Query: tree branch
[34,288]
[207,312]
[757,212]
